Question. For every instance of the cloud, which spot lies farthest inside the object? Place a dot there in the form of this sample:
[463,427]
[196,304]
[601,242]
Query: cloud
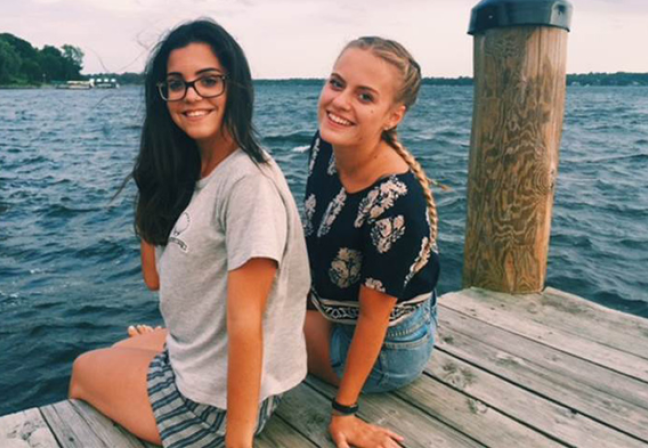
[301,38]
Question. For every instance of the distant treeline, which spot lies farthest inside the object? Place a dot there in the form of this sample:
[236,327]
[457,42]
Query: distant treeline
[609,79]
[22,64]
[589,79]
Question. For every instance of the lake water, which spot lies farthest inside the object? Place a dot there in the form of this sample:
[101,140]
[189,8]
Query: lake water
[69,260]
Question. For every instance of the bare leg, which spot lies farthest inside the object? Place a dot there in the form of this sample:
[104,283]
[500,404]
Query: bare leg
[318,339]
[152,340]
[113,380]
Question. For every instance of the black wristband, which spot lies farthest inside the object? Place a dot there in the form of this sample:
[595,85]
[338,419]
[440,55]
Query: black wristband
[344,410]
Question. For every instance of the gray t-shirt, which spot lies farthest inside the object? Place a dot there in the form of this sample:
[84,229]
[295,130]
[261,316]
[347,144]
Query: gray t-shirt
[240,211]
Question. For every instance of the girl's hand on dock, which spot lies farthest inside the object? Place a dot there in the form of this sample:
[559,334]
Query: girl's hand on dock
[349,430]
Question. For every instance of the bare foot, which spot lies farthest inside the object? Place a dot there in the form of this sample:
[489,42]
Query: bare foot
[137,330]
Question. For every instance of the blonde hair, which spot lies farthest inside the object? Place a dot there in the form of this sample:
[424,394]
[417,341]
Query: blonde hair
[395,54]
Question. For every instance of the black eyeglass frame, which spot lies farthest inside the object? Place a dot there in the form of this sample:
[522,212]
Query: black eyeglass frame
[223,77]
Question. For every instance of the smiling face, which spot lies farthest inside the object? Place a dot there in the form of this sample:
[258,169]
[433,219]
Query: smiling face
[357,102]
[200,118]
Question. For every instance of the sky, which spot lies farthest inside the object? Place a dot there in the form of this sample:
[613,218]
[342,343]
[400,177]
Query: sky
[302,38]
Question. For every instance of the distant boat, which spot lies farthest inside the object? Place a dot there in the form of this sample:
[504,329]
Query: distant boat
[105,83]
[75,85]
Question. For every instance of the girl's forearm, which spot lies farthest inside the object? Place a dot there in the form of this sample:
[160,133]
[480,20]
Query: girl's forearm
[366,344]
[245,355]
[149,269]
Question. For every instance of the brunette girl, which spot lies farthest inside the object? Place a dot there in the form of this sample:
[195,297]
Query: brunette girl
[222,241]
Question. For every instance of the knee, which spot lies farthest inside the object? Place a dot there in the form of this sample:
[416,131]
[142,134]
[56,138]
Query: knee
[80,372]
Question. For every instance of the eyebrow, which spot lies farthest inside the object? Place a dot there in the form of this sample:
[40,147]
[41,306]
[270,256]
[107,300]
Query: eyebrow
[370,89]
[199,72]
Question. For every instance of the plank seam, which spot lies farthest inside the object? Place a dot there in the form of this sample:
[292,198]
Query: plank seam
[116,426]
[589,361]
[56,438]
[501,411]
[397,397]
[539,394]
[287,422]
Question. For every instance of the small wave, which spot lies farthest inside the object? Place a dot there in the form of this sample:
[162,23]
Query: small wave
[641,157]
[303,148]
[294,137]
[104,249]
[61,211]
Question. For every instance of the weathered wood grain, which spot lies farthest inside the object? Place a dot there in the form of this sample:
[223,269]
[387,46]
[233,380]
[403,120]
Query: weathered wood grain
[498,314]
[584,372]
[26,429]
[307,412]
[596,392]
[568,313]
[278,433]
[419,428]
[523,405]
[77,425]
[513,164]
[471,416]
[104,428]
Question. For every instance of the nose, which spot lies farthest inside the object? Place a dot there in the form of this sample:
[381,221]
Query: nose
[341,100]
[192,94]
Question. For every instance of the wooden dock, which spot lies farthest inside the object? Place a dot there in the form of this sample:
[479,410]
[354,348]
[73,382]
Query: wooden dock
[539,370]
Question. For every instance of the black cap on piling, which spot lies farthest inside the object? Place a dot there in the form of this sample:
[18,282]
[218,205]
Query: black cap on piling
[500,13]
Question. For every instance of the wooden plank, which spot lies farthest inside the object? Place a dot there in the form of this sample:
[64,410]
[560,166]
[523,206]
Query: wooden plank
[105,428]
[569,313]
[496,311]
[76,427]
[26,429]
[307,412]
[560,422]
[537,368]
[278,433]
[606,381]
[472,416]
[419,429]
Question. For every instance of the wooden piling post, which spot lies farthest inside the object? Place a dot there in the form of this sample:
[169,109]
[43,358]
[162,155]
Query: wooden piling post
[520,49]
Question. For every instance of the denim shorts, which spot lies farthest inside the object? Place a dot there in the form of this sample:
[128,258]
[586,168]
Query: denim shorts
[404,354]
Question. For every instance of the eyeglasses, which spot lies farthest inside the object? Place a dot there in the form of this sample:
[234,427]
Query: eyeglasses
[208,86]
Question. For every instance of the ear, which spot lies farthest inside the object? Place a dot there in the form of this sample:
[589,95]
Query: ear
[395,116]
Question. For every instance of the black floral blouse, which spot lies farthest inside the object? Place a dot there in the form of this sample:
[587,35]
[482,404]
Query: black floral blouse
[377,237]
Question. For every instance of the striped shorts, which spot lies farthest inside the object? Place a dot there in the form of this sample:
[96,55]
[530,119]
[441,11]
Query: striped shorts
[183,422]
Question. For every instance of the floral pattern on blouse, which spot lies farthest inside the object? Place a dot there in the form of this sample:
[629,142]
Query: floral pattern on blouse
[309,209]
[313,157]
[374,284]
[346,267]
[379,199]
[386,232]
[333,209]
[331,169]
[420,261]
[376,238]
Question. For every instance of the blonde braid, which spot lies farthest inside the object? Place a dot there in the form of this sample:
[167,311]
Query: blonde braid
[391,137]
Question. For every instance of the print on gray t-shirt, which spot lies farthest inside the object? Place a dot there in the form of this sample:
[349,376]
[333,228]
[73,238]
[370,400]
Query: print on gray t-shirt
[240,211]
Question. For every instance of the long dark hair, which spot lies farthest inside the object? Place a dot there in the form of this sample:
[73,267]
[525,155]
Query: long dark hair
[168,163]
